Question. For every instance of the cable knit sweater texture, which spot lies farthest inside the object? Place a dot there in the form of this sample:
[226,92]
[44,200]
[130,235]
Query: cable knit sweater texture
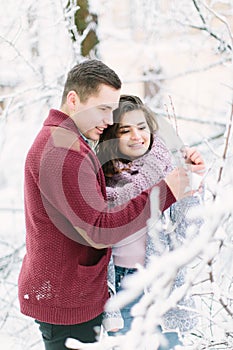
[142,172]
[63,276]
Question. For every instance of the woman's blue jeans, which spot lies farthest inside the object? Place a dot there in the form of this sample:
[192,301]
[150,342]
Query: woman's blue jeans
[171,337]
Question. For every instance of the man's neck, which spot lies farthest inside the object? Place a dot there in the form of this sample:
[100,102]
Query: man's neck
[64,109]
[91,143]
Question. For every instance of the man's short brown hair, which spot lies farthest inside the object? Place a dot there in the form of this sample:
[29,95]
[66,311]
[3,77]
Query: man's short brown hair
[86,77]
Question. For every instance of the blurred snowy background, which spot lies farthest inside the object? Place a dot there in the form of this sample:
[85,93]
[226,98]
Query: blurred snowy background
[177,56]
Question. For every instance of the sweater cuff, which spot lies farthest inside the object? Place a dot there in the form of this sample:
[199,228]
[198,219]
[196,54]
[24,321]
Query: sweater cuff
[166,197]
[114,323]
[112,320]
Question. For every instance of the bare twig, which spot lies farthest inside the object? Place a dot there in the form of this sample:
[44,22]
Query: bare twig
[220,299]
[168,114]
[20,55]
[174,115]
[162,77]
[199,12]
[226,144]
[222,19]
[208,30]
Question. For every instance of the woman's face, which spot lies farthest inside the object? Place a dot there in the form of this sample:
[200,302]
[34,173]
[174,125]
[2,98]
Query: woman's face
[134,134]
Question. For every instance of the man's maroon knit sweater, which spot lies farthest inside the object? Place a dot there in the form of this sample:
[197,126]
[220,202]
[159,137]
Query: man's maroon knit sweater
[69,226]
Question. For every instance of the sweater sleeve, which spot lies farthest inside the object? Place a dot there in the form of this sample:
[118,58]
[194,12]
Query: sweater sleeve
[72,186]
[186,218]
[155,165]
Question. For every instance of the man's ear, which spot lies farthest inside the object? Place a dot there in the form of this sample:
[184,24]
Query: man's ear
[72,100]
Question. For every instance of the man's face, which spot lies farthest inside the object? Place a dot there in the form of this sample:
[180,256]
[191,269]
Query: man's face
[95,114]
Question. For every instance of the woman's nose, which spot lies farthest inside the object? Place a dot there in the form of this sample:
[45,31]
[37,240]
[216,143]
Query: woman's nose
[135,135]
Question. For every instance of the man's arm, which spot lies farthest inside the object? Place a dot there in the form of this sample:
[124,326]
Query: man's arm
[73,184]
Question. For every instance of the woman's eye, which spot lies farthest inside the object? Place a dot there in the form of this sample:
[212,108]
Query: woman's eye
[142,128]
[124,131]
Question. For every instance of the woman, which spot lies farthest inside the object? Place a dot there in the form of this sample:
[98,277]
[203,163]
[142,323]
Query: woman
[131,151]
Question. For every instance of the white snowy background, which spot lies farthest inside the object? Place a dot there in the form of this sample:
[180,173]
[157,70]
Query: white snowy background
[181,52]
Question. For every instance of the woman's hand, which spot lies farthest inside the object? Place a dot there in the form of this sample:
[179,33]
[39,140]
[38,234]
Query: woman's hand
[194,158]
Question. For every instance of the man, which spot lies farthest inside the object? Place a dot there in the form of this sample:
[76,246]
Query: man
[62,283]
